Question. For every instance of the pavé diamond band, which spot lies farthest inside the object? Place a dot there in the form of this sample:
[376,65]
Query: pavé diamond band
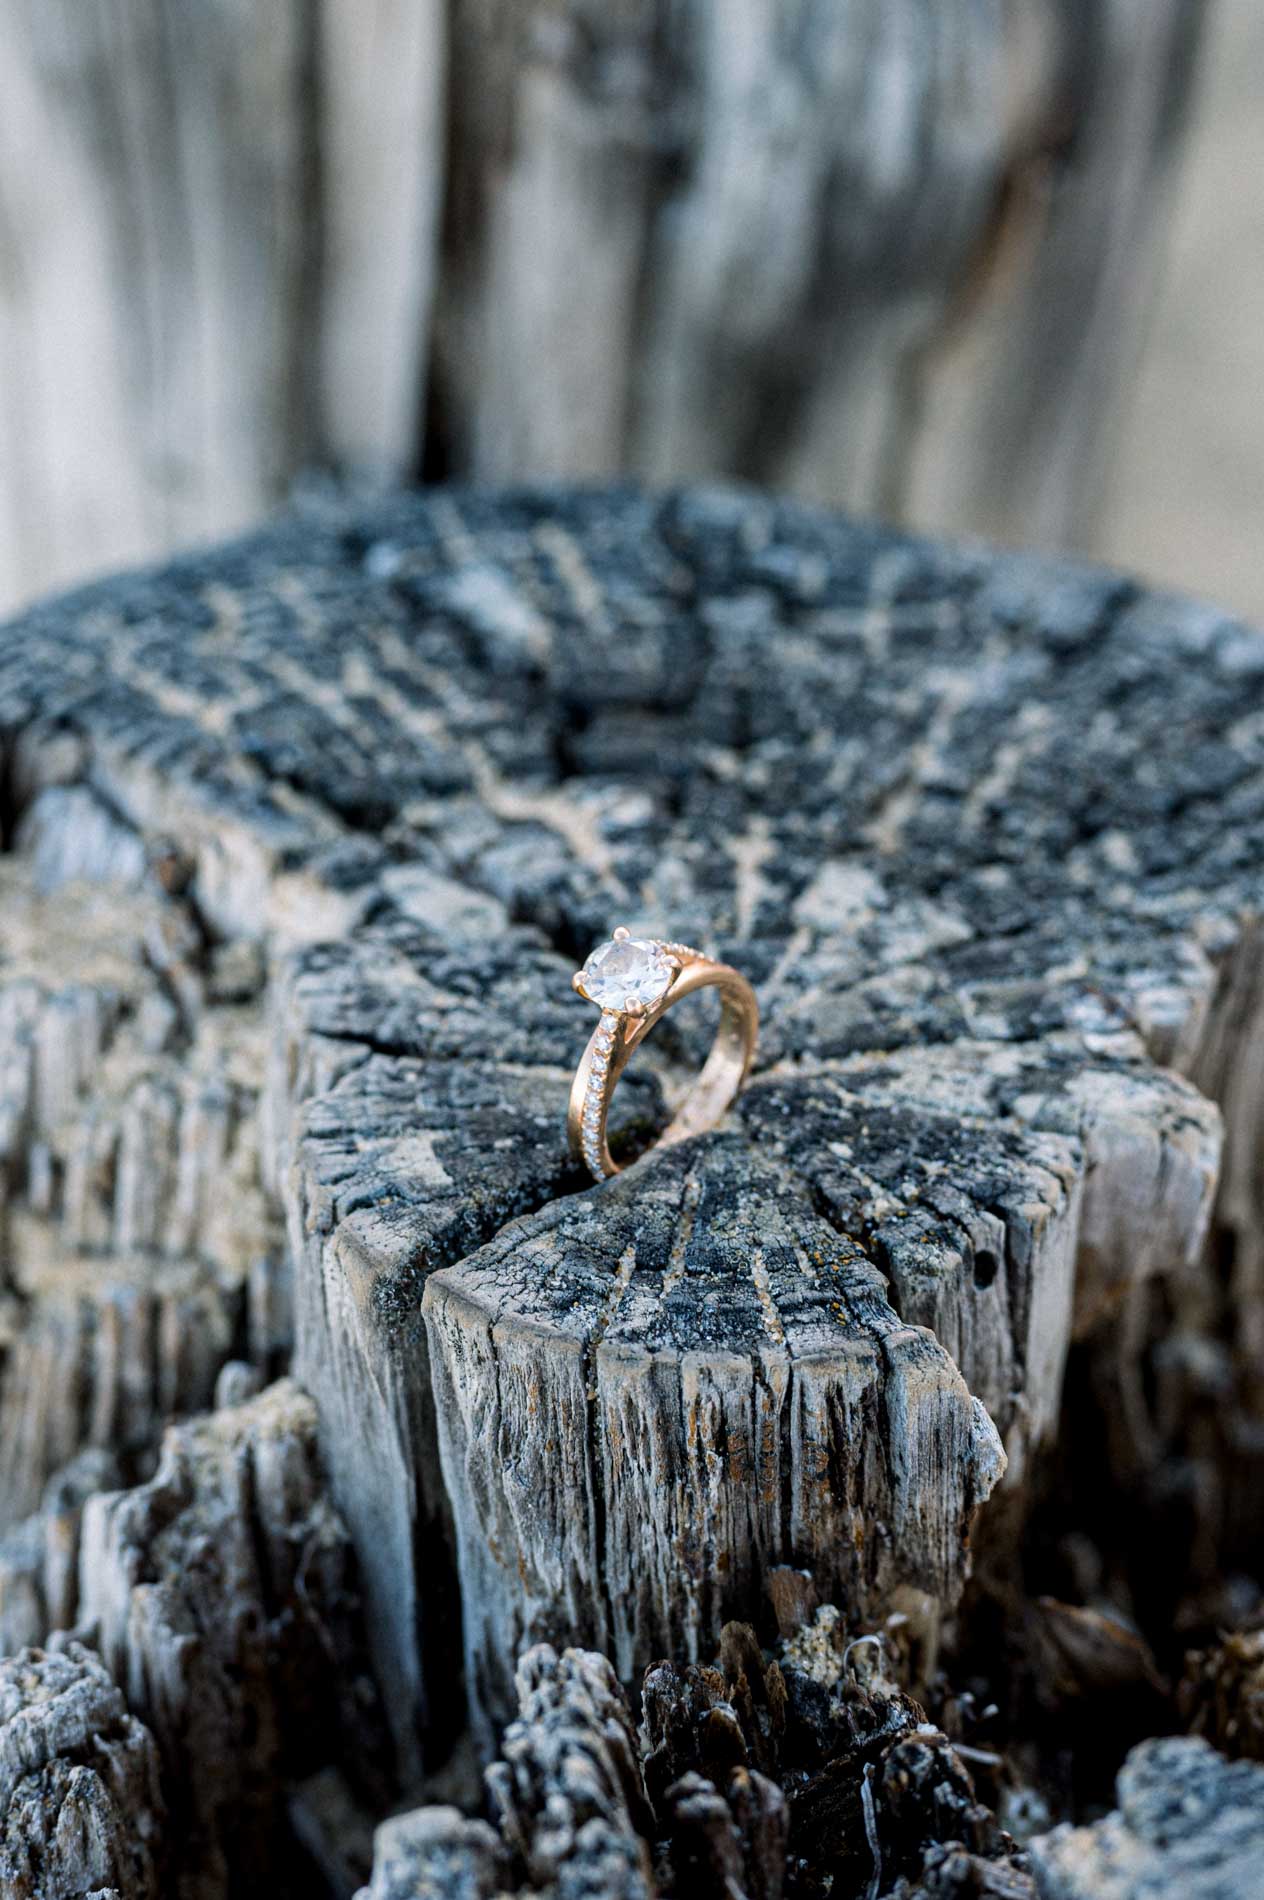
[634,981]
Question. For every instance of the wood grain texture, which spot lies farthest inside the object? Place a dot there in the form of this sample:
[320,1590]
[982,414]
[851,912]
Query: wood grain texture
[221,1601]
[984,831]
[802,1773]
[378,100]
[583,1803]
[141,1251]
[878,256]
[221,1597]
[738,1391]
[79,1783]
[1188,1821]
[885,256]
[154,199]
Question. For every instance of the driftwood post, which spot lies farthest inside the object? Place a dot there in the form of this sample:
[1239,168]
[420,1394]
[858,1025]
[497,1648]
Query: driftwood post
[305,836]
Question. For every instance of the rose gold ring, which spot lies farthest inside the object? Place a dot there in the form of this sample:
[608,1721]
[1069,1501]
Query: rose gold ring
[634,981]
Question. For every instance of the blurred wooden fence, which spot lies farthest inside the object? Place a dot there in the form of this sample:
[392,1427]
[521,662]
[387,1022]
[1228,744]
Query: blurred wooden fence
[889,253]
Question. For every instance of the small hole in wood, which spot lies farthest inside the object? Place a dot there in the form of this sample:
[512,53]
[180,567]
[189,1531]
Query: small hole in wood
[985,1266]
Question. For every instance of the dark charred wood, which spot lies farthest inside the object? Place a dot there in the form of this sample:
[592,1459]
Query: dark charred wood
[1221,1694]
[872,1799]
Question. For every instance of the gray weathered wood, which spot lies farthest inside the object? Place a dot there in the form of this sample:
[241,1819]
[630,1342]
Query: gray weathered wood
[141,1249]
[882,1803]
[156,165]
[985,832]
[39,1556]
[374,115]
[221,1597]
[436,1854]
[888,256]
[585,1802]
[736,1392]
[880,256]
[1188,1822]
[82,1809]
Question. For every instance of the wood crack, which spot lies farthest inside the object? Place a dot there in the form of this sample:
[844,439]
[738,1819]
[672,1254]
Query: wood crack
[609,1414]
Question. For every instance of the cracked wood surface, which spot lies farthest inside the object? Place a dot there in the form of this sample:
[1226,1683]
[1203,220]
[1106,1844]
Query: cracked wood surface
[80,1791]
[881,1800]
[983,830]
[221,1602]
[1188,1822]
[222,1597]
[802,1773]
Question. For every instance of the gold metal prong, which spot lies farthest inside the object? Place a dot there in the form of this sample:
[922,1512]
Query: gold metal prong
[577,984]
[633,1006]
[621,933]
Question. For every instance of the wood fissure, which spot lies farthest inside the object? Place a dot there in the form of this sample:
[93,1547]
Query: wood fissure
[998,887]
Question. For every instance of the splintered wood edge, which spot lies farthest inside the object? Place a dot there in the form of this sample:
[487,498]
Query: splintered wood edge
[266,853]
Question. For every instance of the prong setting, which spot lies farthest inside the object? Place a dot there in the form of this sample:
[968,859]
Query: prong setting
[628,974]
[632,980]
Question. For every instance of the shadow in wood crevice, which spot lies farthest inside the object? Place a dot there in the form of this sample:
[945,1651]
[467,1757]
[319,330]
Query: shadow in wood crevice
[997,1105]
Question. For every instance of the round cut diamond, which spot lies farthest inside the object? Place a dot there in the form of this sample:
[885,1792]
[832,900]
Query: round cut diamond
[626,967]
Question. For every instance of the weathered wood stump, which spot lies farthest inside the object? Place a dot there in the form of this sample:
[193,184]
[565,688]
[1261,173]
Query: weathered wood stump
[80,1793]
[1188,1822]
[305,837]
[884,1801]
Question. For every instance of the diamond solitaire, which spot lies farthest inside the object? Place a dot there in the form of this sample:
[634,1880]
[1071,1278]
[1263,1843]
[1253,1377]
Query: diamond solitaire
[628,973]
[634,981]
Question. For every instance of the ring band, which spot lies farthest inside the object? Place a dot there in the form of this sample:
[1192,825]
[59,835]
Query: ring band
[634,981]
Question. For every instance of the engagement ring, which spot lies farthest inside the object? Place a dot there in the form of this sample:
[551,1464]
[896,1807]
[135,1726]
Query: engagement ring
[634,981]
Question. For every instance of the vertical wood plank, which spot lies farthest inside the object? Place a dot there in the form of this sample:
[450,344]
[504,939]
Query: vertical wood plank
[157,238]
[381,111]
[554,141]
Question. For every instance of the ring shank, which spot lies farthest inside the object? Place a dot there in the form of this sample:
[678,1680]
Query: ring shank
[717,1083]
